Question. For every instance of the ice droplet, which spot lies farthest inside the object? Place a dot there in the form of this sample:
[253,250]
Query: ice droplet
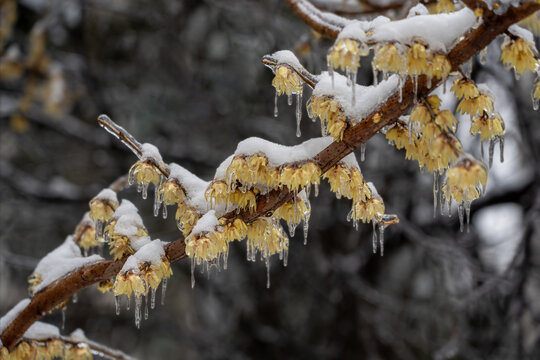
[164,211]
[381,238]
[374,237]
[460,215]
[192,272]
[375,75]
[435,192]
[298,113]
[75,298]
[289,99]
[415,80]
[152,298]
[131,176]
[117,304]
[468,213]
[316,188]
[491,151]
[501,148]
[276,112]
[267,260]
[363,152]
[292,228]
[64,308]
[157,204]
[128,305]
[144,191]
[145,308]
[163,290]
[138,301]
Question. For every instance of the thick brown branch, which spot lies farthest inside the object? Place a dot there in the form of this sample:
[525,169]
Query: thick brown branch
[389,112]
[316,19]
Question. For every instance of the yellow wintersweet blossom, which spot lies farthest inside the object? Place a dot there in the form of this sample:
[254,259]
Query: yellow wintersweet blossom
[216,193]
[287,81]
[130,283]
[102,209]
[440,67]
[144,173]
[85,235]
[367,211]
[339,177]
[443,6]
[55,348]
[236,230]
[430,131]
[120,246]
[465,180]
[78,352]
[465,88]
[359,189]
[238,170]
[292,212]
[420,114]
[446,120]
[295,177]
[265,237]
[206,246]
[153,274]
[345,54]
[418,58]
[34,280]
[481,103]
[244,199]
[519,54]
[446,148]
[488,126]
[186,218]
[330,113]
[105,286]
[399,135]
[388,59]
[171,192]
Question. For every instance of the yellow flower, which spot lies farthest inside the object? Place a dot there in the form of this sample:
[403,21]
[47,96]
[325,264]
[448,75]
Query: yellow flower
[244,199]
[171,192]
[153,274]
[440,67]
[206,247]
[481,103]
[266,237]
[23,351]
[345,54]
[258,166]
[216,193]
[85,235]
[399,136]
[120,246]
[388,59]
[519,54]
[446,148]
[444,6]
[238,170]
[55,348]
[78,352]
[292,212]
[287,81]
[464,88]
[465,180]
[330,113]
[420,114]
[367,211]
[105,286]
[488,127]
[186,218]
[102,208]
[144,173]
[430,131]
[236,230]
[434,101]
[34,280]
[295,177]
[446,120]
[338,176]
[130,283]
[417,59]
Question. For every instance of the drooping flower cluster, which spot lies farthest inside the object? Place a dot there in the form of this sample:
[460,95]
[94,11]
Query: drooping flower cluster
[85,234]
[519,54]
[333,120]
[102,207]
[142,274]
[146,171]
[47,350]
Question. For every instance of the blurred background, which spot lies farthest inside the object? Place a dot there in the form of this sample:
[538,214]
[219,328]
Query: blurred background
[187,77]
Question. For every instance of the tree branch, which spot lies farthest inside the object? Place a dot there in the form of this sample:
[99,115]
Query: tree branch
[353,137]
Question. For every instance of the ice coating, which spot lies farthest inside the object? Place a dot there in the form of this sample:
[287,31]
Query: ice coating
[368,98]
[287,57]
[61,261]
[439,31]
[522,33]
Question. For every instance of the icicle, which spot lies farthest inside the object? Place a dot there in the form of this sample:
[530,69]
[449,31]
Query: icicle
[75,298]
[285,257]
[145,308]
[468,213]
[482,150]
[295,215]
[353,81]
[330,69]
[131,176]
[374,237]
[363,152]
[64,308]
[460,215]
[163,290]
[444,84]
[381,238]
[152,298]
[164,211]
[428,81]
[375,75]
[324,127]
[298,113]
[157,204]
[435,192]
[192,272]
[267,272]
[117,304]
[401,83]
[276,112]
[501,148]
[316,188]
[85,252]
[289,99]
[144,191]
[138,301]
[535,102]
[517,76]
[292,228]
[128,305]
[307,215]
[348,75]
[491,151]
